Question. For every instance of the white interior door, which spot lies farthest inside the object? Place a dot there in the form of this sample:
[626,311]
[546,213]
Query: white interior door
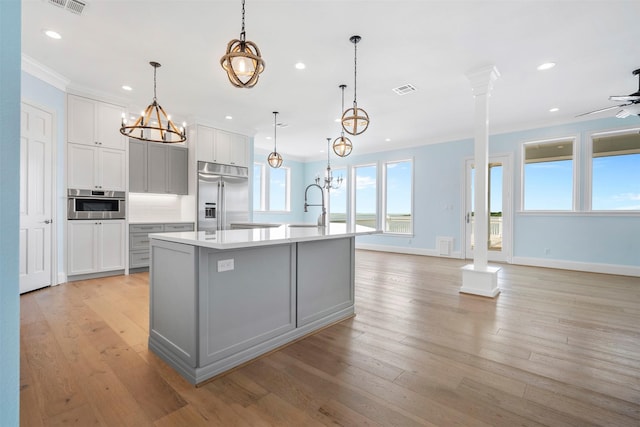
[36,188]
[499,200]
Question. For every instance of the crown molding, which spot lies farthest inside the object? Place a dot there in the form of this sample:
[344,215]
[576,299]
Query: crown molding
[44,73]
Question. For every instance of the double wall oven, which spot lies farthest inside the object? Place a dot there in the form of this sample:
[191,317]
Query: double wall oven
[95,204]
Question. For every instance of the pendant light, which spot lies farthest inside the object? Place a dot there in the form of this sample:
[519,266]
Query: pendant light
[342,145]
[355,120]
[275,158]
[242,62]
[150,123]
[329,183]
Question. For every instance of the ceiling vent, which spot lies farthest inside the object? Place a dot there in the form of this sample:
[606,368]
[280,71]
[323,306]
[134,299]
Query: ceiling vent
[404,89]
[73,6]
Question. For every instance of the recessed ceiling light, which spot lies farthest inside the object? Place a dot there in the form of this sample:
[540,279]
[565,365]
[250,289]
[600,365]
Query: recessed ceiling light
[228,117]
[546,66]
[554,109]
[127,88]
[52,34]
[269,137]
[300,65]
[388,140]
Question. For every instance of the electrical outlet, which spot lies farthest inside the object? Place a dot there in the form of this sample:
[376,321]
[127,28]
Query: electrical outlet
[225,265]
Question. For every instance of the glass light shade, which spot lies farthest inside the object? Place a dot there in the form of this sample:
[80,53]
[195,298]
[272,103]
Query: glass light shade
[243,63]
[274,159]
[355,120]
[342,146]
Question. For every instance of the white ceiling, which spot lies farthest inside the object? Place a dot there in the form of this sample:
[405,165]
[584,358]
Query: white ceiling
[429,44]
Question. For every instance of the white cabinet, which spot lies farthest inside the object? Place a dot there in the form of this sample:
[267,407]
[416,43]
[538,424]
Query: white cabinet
[96,151]
[91,122]
[218,146]
[95,246]
[94,167]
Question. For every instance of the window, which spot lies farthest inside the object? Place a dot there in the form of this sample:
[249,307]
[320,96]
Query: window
[548,175]
[366,201]
[271,188]
[338,198]
[398,206]
[258,187]
[279,189]
[615,172]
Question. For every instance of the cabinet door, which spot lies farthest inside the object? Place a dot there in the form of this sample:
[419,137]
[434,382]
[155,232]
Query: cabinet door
[137,166]
[112,249]
[205,144]
[82,246]
[82,163]
[157,168]
[178,163]
[108,120]
[239,150]
[112,169]
[224,141]
[81,113]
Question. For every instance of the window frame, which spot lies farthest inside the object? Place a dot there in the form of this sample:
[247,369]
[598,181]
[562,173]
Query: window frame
[353,192]
[575,156]
[588,179]
[383,196]
[265,183]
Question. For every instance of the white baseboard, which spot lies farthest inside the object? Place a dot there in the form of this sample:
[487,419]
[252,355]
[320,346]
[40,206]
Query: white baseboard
[405,250]
[62,278]
[622,270]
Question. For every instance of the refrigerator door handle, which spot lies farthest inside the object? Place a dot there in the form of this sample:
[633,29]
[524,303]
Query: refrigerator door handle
[223,196]
[220,208]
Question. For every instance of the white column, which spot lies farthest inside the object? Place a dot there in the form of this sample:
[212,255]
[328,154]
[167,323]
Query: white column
[479,278]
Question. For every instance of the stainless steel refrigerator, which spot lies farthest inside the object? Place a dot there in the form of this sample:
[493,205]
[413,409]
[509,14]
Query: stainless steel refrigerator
[223,196]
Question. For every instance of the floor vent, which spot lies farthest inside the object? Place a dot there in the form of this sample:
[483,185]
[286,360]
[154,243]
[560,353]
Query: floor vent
[444,245]
[73,6]
[404,89]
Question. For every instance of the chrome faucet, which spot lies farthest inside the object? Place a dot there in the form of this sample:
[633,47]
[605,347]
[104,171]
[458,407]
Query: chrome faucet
[322,219]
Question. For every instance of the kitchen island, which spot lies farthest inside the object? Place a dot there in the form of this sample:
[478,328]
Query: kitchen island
[220,299]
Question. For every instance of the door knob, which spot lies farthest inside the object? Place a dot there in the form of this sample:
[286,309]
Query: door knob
[48,221]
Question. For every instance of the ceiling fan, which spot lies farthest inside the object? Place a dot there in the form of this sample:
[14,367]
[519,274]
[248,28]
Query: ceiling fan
[630,103]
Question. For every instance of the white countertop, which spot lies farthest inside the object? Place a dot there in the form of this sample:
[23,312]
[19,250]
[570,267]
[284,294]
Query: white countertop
[232,239]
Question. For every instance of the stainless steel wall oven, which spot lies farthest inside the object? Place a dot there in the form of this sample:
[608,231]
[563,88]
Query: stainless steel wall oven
[95,204]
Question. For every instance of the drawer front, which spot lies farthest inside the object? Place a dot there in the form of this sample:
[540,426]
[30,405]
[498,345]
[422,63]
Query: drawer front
[178,227]
[138,259]
[139,241]
[145,228]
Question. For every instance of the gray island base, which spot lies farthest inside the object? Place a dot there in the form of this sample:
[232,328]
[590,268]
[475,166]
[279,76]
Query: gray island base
[219,300]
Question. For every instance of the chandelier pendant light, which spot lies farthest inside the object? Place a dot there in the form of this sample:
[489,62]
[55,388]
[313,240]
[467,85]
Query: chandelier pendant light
[329,183]
[242,62]
[275,158]
[152,120]
[342,145]
[355,120]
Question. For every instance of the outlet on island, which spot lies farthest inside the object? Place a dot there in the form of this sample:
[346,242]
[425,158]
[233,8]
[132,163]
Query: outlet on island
[225,265]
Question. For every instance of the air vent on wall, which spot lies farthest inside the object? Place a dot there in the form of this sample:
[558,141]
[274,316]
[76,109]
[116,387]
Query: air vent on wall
[73,6]
[404,89]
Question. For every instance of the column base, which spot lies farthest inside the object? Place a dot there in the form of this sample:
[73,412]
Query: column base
[483,282]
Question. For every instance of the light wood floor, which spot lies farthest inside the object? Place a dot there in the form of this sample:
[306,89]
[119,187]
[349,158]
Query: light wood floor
[555,348]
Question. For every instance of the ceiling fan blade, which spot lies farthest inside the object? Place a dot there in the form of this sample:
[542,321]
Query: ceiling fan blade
[601,110]
[632,98]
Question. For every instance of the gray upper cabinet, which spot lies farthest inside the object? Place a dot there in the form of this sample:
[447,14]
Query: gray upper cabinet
[157,168]
[137,166]
[178,167]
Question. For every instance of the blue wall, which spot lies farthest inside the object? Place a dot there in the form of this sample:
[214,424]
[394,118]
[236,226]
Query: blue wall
[575,237]
[9,215]
[42,94]
[297,193]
